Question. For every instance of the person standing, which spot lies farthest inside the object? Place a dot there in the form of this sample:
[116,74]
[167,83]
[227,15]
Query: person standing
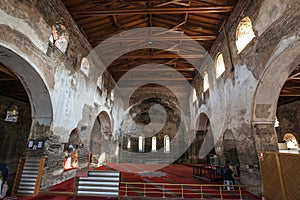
[227,174]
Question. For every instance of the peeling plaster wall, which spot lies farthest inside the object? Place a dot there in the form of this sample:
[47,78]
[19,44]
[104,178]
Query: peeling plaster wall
[237,95]
[24,22]
[73,95]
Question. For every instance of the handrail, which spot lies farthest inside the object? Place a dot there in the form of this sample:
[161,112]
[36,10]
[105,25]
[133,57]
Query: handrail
[188,184]
[185,190]
[170,190]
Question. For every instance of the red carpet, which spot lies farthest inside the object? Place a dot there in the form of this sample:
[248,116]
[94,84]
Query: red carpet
[172,174]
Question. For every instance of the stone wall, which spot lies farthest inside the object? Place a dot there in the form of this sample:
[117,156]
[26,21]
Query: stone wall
[14,135]
[63,94]
[288,116]
[241,101]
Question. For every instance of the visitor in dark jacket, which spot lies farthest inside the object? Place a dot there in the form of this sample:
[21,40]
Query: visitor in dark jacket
[227,174]
[4,171]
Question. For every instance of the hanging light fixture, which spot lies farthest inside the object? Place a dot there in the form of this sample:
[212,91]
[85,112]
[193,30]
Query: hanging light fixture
[12,114]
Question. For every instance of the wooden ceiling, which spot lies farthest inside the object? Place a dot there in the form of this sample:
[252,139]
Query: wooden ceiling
[290,91]
[198,19]
[11,86]
[98,20]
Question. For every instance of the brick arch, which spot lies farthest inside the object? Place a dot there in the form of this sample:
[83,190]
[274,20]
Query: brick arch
[278,69]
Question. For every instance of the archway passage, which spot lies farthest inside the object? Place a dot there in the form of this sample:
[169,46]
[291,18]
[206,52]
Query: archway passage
[202,148]
[230,152]
[34,88]
[23,89]
[95,143]
[281,76]
[15,121]
[71,150]
[287,114]
[100,139]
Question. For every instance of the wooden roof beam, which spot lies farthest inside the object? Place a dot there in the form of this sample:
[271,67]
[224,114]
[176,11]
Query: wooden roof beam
[161,56]
[290,94]
[160,38]
[156,79]
[159,10]
[7,72]
[115,69]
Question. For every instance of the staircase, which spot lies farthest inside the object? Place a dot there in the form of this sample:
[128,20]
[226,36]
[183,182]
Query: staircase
[97,183]
[28,177]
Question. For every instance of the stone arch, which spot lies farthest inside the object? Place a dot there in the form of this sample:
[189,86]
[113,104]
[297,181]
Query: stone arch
[74,138]
[208,144]
[95,142]
[106,126]
[39,106]
[38,94]
[279,67]
[197,152]
[100,139]
[71,150]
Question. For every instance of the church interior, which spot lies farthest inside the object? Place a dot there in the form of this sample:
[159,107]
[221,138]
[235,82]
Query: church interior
[158,94]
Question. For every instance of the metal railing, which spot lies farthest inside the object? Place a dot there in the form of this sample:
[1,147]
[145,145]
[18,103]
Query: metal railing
[202,191]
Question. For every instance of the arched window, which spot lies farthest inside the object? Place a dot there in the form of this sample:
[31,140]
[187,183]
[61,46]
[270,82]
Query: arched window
[167,144]
[194,95]
[244,34]
[205,81]
[141,144]
[290,140]
[128,143]
[85,66]
[220,65]
[153,143]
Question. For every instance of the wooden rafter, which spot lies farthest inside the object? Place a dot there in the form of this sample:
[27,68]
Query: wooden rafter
[161,38]
[158,10]
[198,19]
